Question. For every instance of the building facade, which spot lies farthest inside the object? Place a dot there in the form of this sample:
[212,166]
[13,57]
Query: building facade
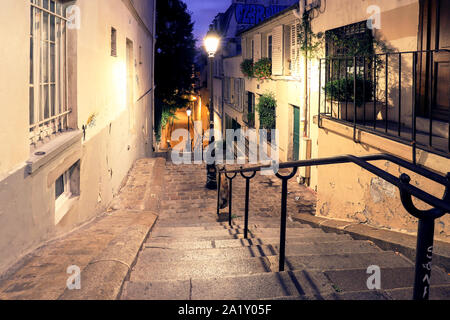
[77,89]
[241,15]
[375,80]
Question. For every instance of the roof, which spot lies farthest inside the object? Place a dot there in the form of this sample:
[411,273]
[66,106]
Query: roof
[293,7]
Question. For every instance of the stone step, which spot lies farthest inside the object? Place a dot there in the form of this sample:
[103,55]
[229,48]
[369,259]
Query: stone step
[384,259]
[230,233]
[220,228]
[199,269]
[225,236]
[373,295]
[170,243]
[437,292]
[171,255]
[213,221]
[240,287]
[391,278]
[163,254]
[200,232]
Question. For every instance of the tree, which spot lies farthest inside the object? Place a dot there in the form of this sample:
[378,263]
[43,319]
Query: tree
[174,58]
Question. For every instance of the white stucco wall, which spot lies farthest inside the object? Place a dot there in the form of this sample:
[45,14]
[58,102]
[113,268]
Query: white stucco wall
[98,84]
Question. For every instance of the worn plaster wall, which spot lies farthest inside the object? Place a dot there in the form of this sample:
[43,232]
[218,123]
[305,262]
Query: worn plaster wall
[120,134]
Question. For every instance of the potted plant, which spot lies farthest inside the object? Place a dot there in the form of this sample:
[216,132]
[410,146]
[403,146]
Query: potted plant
[247,68]
[262,69]
[341,94]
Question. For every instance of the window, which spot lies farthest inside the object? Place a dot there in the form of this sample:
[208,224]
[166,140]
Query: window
[238,93]
[269,47]
[354,39]
[67,189]
[249,110]
[113,42]
[48,106]
[253,50]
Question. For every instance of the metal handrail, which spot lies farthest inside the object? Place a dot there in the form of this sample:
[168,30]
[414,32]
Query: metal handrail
[425,237]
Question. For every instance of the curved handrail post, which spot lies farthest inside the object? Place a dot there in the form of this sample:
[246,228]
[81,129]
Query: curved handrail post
[230,197]
[284,192]
[247,200]
[425,238]
[218,191]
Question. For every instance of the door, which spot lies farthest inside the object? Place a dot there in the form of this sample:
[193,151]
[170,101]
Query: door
[434,67]
[296,134]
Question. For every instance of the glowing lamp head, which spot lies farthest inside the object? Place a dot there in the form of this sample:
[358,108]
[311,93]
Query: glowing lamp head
[189,112]
[211,42]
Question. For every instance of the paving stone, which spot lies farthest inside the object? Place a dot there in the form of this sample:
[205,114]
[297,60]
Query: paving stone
[172,255]
[342,261]
[391,278]
[259,286]
[157,290]
[436,293]
[184,270]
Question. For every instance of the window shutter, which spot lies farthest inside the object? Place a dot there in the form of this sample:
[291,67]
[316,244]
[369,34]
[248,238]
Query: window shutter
[277,51]
[232,90]
[257,39]
[242,94]
[295,49]
[245,107]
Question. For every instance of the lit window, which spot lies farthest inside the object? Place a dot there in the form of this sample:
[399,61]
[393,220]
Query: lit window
[269,47]
[67,189]
[48,89]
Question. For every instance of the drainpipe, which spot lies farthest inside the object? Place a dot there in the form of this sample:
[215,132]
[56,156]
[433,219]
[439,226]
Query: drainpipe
[299,15]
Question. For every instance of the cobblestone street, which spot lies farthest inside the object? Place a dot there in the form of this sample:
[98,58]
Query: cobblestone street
[161,239]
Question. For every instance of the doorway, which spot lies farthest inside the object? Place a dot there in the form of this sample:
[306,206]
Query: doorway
[434,64]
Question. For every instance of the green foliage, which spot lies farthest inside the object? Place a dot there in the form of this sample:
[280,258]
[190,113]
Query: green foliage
[174,58]
[168,110]
[310,42]
[266,108]
[247,68]
[263,69]
[343,90]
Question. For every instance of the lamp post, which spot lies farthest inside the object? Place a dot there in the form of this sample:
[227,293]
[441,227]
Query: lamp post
[211,42]
[189,112]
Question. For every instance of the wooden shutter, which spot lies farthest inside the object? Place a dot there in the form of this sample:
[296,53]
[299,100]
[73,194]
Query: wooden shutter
[277,51]
[295,49]
[257,41]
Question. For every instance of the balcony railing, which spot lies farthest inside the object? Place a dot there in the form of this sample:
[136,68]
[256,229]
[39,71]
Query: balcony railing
[391,95]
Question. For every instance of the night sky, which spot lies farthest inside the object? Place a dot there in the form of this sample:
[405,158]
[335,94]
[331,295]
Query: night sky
[203,12]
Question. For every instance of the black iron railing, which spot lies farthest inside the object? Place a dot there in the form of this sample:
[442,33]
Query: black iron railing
[427,218]
[392,95]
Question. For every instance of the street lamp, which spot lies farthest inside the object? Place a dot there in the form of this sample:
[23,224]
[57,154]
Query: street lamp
[211,42]
[189,113]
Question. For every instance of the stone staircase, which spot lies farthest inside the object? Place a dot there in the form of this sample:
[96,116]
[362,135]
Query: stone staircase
[189,255]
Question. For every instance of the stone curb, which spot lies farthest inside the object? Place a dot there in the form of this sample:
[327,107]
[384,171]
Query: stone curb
[103,277]
[385,239]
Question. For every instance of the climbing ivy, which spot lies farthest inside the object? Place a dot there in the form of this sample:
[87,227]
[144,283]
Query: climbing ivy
[247,68]
[266,108]
[263,69]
